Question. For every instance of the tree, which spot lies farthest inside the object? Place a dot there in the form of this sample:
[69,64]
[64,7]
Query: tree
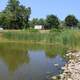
[23,16]
[36,21]
[52,21]
[78,25]
[15,16]
[41,21]
[71,21]
[5,19]
[12,6]
[33,22]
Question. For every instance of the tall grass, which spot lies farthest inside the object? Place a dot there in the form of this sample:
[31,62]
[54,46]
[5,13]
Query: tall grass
[25,35]
[66,37]
[70,38]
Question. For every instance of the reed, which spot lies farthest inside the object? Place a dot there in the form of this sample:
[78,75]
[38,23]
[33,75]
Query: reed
[66,37]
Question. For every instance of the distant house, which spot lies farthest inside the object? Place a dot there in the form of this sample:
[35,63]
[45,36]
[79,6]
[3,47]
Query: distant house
[1,29]
[39,27]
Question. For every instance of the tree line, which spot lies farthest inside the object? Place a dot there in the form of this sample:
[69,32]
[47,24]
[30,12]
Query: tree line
[52,21]
[16,16]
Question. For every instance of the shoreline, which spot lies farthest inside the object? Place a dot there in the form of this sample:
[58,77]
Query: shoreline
[71,70]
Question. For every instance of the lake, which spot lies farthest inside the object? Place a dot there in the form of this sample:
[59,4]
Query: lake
[29,64]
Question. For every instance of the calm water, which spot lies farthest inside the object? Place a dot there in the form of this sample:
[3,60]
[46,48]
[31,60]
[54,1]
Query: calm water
[31,65]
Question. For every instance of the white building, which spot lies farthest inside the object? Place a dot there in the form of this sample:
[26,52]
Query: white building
[39,27]
[1,29]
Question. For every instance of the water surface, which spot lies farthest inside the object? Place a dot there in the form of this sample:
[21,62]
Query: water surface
[31,65]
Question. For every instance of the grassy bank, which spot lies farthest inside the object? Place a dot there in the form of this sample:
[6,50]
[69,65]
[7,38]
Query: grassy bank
[69,38]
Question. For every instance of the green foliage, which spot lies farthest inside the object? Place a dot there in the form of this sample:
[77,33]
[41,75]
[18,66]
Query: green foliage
[55,30]
[33,22]
[71,21]
[65,37]
[36,21]
[52,21]
[15,16]
[78,25]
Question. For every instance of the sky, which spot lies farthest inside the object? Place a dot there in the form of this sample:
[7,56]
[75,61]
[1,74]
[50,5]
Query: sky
[42,8]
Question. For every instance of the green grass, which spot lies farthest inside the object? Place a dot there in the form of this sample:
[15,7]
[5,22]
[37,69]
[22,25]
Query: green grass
[24,35]
[70,38]
[66,37]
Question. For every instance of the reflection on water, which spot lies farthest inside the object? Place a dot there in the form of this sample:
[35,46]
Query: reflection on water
[38,66]
[4,73]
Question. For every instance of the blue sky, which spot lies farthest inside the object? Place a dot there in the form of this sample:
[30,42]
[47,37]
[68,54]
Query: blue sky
[41,8]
